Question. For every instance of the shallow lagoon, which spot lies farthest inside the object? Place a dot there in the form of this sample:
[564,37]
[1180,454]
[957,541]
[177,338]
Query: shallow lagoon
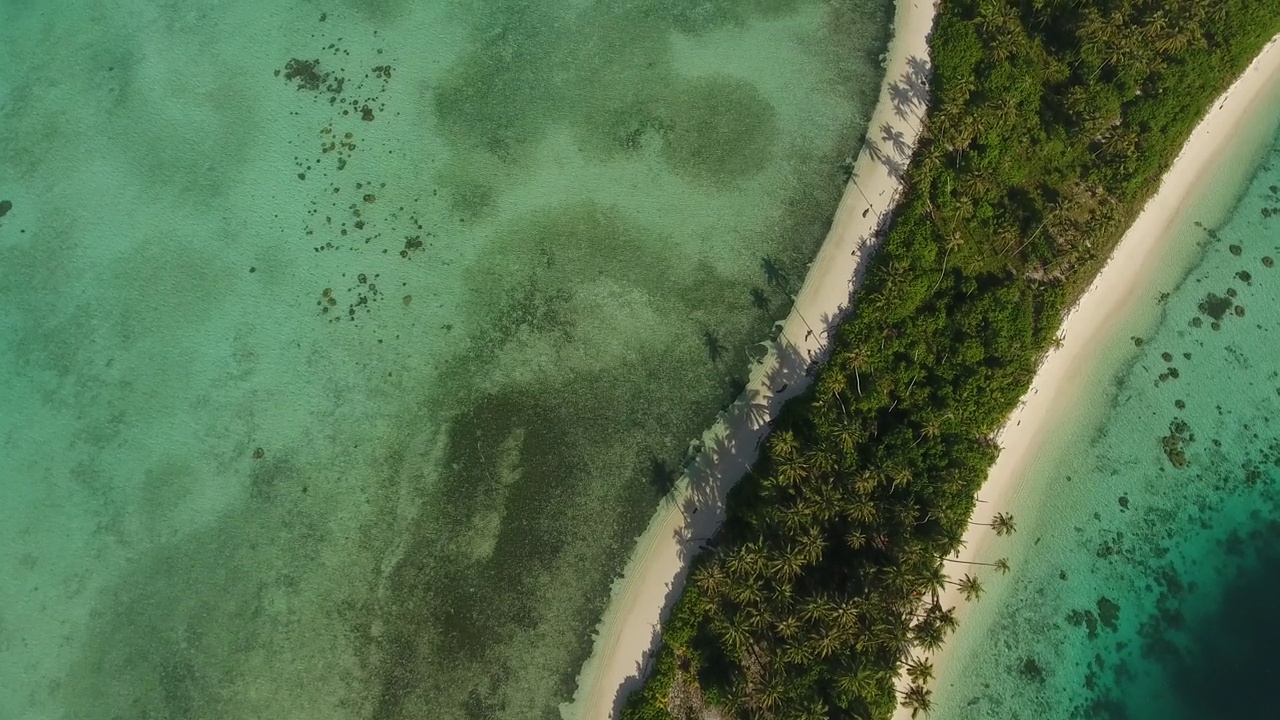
[346,346]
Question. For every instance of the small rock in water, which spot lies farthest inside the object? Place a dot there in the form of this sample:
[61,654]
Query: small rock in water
[5,207]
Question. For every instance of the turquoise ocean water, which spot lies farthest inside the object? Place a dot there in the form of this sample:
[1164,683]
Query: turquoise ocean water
[346,346]
[1146,565]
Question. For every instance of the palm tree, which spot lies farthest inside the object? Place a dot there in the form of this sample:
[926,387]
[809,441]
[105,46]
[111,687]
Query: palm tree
[812,545]
[897,640]
[753,619]
[855,539]
[946,619]
[1003,524]
[934,579]
[894,274]
[961,88]
[750,592]
[821,460]
[815,610]
[918,699]
[831,384]
[1002,565]
[953,241]
[815,710]
[969,587]
[745,562]
[770,692]
[901,476]
[920,670]
[791,470]
[711,579]
[734,635]
[788,627]
[788,565]
[990,20]
[845,614]
[847,435]
[866,481]
[898,578]
[855,358]
[928,635]
[783,443]
[861,511]
[826,643]
[931,161]
[857,681]
[930,428]
[796,653]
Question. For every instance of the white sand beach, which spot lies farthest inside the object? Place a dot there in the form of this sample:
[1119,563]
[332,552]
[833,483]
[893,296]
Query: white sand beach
[628,633]
[1090,323]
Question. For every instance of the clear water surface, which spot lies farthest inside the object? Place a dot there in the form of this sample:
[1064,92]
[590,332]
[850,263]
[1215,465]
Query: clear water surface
[346,345]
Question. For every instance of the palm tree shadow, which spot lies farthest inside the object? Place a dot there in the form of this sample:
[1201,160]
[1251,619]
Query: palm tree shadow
[903,99]
[916,79]
[874,151]
[895,140]
[715,348]
[760,299]
[897,169]
[662,476]
[774,276]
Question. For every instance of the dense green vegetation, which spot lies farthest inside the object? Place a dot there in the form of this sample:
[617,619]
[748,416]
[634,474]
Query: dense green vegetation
[1050,124]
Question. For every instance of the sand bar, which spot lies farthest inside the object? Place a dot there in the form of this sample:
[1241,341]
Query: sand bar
[1123,281]
[628,632]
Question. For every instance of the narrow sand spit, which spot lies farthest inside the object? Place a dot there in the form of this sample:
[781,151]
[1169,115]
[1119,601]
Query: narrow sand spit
[628,634]
[1126,276]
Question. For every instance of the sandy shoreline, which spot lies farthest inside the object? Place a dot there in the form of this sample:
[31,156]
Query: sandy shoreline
[627,634]
[1091,321]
